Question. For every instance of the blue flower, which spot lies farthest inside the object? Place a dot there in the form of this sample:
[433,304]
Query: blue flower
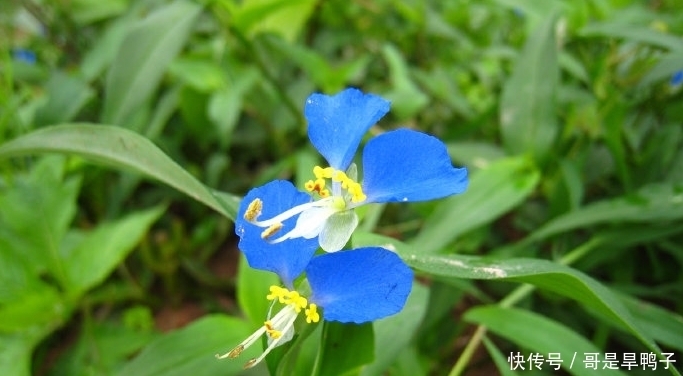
[677,78]
[356,286]
[398,166]
[24,55]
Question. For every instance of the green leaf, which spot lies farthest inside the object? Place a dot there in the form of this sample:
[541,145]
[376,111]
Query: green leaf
[252,287]
[89,11]
[492,192]
[141,62]
[283,17]
[191,350]
[200,74]
[35,214]
[120,148]
[44,308]
[394,333]
[540,273]
[652,203]
[527,107]
[104,248]
[345,348]
[543,274]
[66,95]
[539,335]
[665,327]
[406,98]
[498,358]
[664,69]
[633,33]
[16,350]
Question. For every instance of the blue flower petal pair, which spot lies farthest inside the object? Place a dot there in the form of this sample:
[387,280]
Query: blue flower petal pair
[287,259]
[357,285]
[398,166]
[401,165]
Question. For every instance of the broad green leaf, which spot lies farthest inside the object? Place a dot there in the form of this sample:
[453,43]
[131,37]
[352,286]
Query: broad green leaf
[664,69]
[201,74]
[543,274]
[191,350]
[96,60]
[345,348]
[104,248]
[652,203]
[664,326]
[283,17]
[66,95]
[121,342]
[538,334]
[492,192]
[35,214]
[540,273]
[252,287]
[225,105]
[394,333]
[476,154]
[16,350]
[89,11]
[120,148]
[527,107]
[148,48]
[44,308]
[633,33]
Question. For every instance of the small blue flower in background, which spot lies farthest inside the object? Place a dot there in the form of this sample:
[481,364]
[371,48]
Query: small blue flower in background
[358,286]
[398,166]
[23,55]
[677,78]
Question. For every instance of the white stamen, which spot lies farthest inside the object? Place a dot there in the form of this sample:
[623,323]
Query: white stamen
[309,224]
[286,316]
[293,211]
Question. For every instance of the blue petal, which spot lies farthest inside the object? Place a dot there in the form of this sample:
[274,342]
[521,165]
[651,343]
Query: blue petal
[359,285]
[336,124]
[677,78]
[405,165]
[288,258]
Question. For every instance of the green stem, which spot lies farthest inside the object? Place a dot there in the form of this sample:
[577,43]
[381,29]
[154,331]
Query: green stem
[513,298]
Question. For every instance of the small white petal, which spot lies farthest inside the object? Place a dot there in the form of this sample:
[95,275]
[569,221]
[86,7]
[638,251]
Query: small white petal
[338,230]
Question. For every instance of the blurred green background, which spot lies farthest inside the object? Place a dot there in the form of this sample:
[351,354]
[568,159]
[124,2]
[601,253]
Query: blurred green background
[567,113]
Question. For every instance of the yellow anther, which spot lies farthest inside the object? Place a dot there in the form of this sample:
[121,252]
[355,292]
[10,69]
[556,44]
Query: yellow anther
[267,233]
[339,176]
[271,331]
[348,184]
[250,363]
[234,353]
[296,300]
[312,314]
[309,185]
[277,292]
[253,210]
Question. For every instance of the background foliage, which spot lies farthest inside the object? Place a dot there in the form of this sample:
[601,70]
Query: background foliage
[567,114]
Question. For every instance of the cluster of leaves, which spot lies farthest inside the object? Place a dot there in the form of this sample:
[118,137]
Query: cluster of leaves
[565,113]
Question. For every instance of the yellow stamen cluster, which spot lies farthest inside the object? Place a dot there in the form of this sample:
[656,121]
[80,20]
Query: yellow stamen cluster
[297,301]
[312,314]
[318,185]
